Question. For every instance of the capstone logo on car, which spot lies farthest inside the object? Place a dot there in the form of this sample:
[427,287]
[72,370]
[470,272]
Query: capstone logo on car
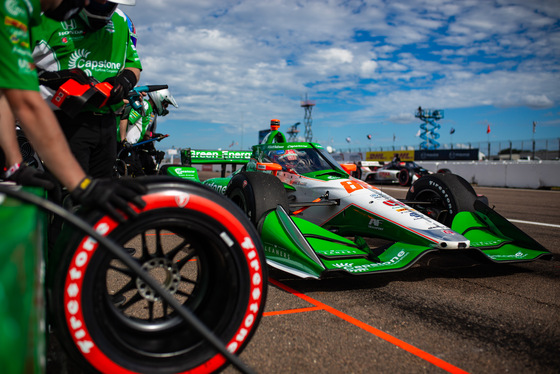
[217,187]
[361,268]
[516,255]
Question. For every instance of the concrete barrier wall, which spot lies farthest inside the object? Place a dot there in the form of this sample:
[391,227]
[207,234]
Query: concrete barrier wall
[518,174]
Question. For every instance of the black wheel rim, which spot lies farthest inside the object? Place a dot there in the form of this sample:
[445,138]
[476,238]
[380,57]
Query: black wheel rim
[196,268]
[436,209]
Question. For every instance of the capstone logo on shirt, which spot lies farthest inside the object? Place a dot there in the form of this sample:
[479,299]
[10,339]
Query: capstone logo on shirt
[79,59]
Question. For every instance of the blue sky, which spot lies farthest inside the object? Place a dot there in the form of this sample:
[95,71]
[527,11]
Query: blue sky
[233,65]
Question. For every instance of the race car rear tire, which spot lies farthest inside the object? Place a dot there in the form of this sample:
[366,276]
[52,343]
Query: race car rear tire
[193,240]
[256,194]
[448,194]
[405,177]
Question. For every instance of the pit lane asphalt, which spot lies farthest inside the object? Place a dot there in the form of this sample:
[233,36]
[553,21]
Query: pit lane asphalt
[446,313]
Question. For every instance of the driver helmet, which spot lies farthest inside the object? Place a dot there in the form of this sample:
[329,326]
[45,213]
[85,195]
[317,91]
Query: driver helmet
[288,158]
[161,99]
[97,15]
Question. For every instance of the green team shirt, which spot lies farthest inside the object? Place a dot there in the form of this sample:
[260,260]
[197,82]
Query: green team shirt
[69,44]
[17,70]
[138,124]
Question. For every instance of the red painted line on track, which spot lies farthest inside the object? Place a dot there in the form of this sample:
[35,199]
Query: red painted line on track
[380,334]
[292,311]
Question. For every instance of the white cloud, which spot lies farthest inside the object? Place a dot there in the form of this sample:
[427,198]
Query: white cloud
[233,61]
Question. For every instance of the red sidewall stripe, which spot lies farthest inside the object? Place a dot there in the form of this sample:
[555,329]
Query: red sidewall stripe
[87,247]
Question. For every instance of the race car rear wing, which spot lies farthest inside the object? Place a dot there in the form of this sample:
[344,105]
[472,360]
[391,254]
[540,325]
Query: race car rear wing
[192,156]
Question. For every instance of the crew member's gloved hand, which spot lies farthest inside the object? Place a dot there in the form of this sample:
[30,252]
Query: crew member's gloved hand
[26,175]
[110,196]
[122,84]
[126,144]
[55,79]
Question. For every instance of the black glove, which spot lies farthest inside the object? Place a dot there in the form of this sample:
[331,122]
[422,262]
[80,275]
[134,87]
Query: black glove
[55,79]
[26,175]
[110,196]
[126,145]
[122,84]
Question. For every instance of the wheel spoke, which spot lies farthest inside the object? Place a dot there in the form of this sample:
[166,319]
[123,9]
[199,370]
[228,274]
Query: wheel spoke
[145,253]
[173,252]
[130,285]
[125,271]
[150,311]
[183,293]
[130,302]
[166,310]
[186,259]
[187,280]
[159,248]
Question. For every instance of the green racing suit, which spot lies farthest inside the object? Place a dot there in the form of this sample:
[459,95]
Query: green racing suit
[70,44]
[17,70]
[101,53]
[139,124]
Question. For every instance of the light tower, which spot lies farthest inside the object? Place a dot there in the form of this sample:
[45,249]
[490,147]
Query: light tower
[307,119]
[429,134]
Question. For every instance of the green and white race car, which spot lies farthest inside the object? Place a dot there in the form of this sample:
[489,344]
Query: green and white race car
[313,217]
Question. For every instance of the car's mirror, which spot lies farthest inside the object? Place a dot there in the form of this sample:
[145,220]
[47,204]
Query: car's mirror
[269,166]
[349,168]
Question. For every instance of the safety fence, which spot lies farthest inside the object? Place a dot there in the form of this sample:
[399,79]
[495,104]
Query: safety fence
[543,149]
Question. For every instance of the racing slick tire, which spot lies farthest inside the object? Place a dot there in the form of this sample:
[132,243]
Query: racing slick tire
[257,193]
[405,177]
[448,194]
[201,248]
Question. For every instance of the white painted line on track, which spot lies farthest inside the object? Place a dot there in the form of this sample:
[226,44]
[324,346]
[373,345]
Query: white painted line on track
[534,223]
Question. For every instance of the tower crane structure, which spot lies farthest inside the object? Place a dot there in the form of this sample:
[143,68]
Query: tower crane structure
[429,127]
[293,132]
[308,105]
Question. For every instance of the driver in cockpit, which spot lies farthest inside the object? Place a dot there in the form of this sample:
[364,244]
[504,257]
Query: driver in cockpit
[288,159]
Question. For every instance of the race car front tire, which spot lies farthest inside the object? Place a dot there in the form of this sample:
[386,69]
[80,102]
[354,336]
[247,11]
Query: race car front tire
[200,247]
[448,194]
[257,193]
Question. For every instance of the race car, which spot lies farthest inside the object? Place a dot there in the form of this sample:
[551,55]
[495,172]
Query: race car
[363,168]
[402,172]
[313,217]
